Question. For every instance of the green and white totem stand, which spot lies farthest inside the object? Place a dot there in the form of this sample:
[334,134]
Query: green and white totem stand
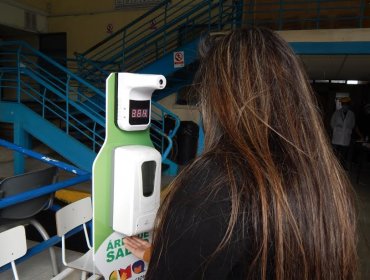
[126,175]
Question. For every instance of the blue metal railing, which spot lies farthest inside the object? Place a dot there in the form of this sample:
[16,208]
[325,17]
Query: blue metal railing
[91,59]
[141,42]
[53,91]
[78,106]
[169,26]
[161,131]
[59,95]
[137,45]
[81,176]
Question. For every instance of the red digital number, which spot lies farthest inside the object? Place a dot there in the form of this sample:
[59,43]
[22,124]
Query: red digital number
[138,113]
[145,113]
[133,113]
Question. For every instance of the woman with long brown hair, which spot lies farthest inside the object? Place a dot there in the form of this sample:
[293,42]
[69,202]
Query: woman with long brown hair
[267,199]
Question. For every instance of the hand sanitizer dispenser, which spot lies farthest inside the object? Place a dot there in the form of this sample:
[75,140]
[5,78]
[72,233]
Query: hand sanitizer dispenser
[137,171]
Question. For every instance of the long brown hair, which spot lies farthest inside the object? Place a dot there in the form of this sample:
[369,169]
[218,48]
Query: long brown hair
[262,121]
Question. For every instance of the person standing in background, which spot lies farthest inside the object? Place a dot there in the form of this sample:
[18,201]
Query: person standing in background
[342,123]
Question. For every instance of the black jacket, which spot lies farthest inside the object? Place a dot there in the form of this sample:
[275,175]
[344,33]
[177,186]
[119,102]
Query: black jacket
[193,230]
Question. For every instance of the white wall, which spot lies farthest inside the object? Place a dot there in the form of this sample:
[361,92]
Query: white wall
[327,35]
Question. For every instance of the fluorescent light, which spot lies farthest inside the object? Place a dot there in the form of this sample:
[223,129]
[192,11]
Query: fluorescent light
[352,82]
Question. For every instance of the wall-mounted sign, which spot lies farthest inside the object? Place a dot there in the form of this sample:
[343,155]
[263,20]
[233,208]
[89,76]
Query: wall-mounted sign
[178,59]
[109,28]
[120,4]
[153,24]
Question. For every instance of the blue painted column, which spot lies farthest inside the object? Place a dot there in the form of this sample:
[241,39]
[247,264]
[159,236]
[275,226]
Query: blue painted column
[23,139]
[200,148]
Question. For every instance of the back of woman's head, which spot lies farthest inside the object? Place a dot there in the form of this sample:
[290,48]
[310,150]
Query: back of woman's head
[259,112]
[252,87]
[286,188]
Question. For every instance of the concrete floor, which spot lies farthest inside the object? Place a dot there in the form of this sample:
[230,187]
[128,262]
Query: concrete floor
[39,267]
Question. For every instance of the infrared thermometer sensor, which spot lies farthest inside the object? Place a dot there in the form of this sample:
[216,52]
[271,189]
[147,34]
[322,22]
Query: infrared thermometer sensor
[134,94]
[137,179]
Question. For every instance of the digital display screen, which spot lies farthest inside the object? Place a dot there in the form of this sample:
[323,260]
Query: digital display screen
[139,112]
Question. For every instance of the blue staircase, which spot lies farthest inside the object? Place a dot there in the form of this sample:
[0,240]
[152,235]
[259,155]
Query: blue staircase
[146,45]
[33,124]
[56,106]
[74,102]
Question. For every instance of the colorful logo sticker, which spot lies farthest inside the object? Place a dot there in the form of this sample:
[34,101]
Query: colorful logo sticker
[115,262]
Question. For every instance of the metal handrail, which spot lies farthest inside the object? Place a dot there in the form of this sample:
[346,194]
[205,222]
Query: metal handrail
[126,50]
[159,114]
[165,112]
[81,176]
[62,94]
[275,14]
[157,142]
[168,18]
[133,23]
[162,47]
[60,97]
[33,51]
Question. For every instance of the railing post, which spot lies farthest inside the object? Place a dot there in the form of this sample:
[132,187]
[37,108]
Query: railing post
[67,103]
[123,50]
[318,14]
[43,102]
[79,62]
[164,33]
[1,87]
[209,14]
[238,13]
[163,125]
[220,12]
[156,50]
[19,74]
[143,54]
[94,137]
[251,13]
[362,13]
[280,21]
[20,138]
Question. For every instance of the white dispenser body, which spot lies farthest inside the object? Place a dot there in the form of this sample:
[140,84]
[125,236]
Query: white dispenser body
[136,188]
[134,95]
